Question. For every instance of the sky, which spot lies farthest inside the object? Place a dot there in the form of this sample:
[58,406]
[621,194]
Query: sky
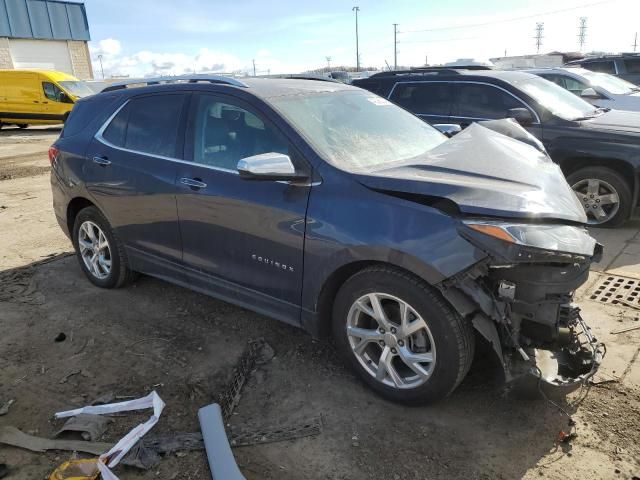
[161,37]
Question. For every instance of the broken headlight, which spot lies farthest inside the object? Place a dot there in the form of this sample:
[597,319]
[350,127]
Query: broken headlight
[557,238]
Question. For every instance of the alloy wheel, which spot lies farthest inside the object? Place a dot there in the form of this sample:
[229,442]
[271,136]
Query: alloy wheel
[599,199]
[94,249]
[391,340]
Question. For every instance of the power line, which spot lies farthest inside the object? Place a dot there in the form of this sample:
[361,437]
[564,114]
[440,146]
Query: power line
[539,35]
[582,32]
[512,19]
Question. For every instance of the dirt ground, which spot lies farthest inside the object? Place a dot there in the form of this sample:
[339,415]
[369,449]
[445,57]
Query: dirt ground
[156,336]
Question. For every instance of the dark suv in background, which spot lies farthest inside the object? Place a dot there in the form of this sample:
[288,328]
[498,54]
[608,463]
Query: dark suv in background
[625,66]
[597,149]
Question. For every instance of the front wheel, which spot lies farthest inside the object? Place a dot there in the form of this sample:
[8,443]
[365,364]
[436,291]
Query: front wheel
[400,336]
[604,194]
[100,254]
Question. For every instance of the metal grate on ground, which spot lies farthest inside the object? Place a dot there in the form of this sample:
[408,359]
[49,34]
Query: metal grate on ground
[614,290]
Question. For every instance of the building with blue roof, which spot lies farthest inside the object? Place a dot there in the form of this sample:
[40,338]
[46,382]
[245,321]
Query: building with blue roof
[45,35]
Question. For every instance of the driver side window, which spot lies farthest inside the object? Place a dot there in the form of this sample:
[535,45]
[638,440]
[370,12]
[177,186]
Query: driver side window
[225,133]
[51,91]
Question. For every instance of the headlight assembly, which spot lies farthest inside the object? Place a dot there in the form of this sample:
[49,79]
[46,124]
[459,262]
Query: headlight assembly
[559,238]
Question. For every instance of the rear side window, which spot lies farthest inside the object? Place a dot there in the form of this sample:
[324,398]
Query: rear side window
[148,125]
[632,66]
[606,66]
[479,101]
[92,111]
[429,98]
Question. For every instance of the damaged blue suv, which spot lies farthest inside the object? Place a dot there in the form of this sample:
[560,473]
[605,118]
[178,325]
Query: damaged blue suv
[331,209]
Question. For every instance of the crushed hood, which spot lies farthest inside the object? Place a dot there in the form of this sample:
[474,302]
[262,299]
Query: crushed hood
[484,173]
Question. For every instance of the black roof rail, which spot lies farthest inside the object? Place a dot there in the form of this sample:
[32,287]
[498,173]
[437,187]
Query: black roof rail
[431,70]
[301,76]
[221,79]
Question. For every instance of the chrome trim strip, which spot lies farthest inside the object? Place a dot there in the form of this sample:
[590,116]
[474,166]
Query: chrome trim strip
[99,137]
[468,81]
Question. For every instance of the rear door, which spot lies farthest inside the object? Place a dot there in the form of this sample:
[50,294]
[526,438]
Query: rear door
[431,101]
[130,171]
[242,240]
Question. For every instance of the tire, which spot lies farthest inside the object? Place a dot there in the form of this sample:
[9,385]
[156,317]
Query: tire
[447,338]
[118,273]
[609,182]
[22,126]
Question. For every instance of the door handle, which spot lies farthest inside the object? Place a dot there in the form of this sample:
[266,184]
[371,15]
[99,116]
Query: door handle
[194,183]
[102,161]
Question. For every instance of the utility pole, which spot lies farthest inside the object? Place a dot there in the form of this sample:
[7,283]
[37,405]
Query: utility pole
[254,67]
[539,36]
[582,32]
[635,43]
[357,9]
[328,62]
[102,69]
[395,46]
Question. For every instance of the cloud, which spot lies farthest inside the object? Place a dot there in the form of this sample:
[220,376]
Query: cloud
[149,63]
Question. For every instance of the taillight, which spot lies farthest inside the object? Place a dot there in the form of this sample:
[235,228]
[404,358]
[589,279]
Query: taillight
[53,155]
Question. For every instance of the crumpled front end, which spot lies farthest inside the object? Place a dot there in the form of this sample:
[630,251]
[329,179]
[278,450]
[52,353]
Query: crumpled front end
[520,298]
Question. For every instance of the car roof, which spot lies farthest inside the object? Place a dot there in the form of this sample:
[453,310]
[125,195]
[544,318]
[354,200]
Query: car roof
[449,74]
[261,87]
[570,69]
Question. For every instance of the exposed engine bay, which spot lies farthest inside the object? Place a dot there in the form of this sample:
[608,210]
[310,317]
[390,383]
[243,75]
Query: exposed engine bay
[520,299]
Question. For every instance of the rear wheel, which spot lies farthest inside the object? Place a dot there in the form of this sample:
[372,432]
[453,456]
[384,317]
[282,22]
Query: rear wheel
[604,194]
[400,336]
[100,254]
[22,125]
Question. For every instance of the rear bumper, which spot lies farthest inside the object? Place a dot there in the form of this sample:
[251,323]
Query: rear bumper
[60,202]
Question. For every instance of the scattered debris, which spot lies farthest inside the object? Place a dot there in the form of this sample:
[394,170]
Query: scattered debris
[623,330]
[230,396]
[4,408]
[245,435]
[77,469]
[61,337]
[14,437]
[70,373]
[91,427]
[221,461]
[110,459]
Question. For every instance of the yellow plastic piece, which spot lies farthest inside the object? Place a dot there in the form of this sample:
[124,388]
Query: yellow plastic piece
[80,469]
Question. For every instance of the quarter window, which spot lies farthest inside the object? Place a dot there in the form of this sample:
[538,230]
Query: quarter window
[428,98]
[225,133]
[478,101]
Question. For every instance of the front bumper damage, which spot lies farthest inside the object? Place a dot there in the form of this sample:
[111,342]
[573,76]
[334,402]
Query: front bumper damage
[521,301]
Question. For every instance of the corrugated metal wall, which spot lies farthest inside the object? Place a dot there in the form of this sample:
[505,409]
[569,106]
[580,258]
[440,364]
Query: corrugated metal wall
[43,19]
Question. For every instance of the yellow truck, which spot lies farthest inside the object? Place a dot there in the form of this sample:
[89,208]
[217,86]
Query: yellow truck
[38,97]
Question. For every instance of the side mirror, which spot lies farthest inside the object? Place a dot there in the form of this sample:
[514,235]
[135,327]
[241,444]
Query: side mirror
[268,166]
[449,129]
[521,115]
[590,93]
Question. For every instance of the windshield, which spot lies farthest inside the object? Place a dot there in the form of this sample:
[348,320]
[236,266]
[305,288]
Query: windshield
[557,100]
[611,84]
[356,130]
[77,88]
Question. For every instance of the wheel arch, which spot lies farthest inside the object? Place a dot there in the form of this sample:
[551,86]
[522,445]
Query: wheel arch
[74,207]
[329,290]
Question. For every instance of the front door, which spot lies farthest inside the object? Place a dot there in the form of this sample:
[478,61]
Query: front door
[242,240]
[130,171]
